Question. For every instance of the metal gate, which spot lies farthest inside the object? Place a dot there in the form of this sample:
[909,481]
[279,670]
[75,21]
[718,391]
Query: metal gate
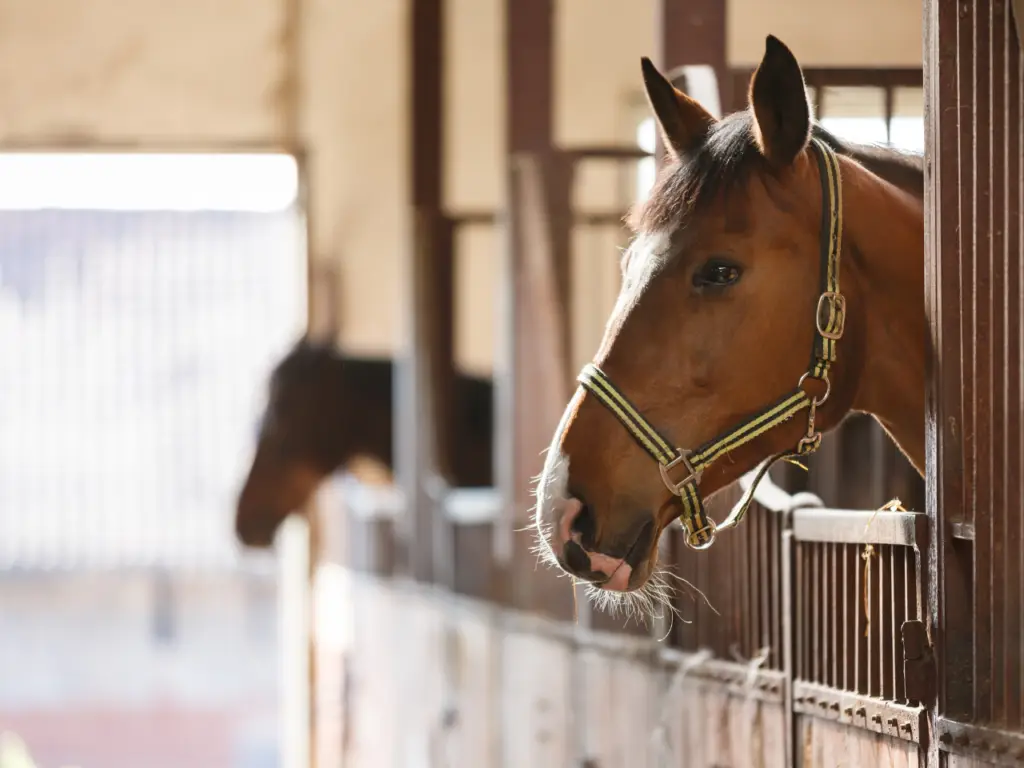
[974,238]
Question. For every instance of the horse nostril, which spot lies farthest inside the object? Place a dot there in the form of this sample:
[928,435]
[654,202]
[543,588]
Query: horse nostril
[585,525]
[576,559]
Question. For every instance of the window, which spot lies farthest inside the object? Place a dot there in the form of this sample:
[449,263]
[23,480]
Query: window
[858,114]
[142,301]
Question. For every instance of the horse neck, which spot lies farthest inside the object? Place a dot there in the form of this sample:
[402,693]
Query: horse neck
[884,233]
[360,394]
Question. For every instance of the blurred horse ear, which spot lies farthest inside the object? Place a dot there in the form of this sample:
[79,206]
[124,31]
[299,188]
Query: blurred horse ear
[778,99]
[683,121]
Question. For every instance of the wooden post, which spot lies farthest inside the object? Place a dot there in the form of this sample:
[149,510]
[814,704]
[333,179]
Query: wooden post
[424,370]
[532,381]
[692,32]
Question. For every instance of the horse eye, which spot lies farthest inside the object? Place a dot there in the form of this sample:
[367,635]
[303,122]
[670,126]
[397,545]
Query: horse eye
[716,274]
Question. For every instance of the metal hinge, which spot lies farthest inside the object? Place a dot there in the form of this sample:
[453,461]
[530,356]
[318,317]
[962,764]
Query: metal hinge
[918,662]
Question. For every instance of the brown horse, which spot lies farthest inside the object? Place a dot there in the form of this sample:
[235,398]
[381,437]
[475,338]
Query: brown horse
[325,410]
[732,276]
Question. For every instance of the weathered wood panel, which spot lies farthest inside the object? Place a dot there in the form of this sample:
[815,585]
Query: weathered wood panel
[426,679]
[825,744]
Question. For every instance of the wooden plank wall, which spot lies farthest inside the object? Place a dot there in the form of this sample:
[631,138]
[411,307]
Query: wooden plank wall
[513,700]
[975,258]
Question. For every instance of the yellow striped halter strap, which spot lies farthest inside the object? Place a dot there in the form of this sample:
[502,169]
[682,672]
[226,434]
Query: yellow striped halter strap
[829,322]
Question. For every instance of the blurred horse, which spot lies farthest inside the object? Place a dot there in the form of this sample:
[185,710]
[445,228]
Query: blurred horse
[324,411]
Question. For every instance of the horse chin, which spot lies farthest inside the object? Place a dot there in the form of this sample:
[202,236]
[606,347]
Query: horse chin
[647,595]
[257,530]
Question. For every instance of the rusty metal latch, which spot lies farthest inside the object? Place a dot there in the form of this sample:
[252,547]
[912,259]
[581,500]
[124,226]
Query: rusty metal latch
[918,662]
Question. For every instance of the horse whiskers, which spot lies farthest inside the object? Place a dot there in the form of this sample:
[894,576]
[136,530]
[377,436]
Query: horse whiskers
[690,588]
[641,604]
[542,549]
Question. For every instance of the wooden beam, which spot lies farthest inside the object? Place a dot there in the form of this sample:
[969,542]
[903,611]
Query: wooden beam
[425,367]
[531,375]
[692,32]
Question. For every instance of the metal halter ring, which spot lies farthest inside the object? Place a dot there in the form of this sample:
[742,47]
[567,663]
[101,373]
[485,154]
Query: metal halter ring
[691,538]
[692,476]
[817,401]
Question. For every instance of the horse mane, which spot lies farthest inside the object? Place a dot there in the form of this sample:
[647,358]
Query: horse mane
[728,157]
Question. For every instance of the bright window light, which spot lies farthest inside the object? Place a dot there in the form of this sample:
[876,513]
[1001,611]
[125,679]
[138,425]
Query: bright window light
[646,171]
[148,182]
[906,133]
[859,130]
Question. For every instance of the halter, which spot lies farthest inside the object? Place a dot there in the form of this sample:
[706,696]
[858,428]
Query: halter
[829,322]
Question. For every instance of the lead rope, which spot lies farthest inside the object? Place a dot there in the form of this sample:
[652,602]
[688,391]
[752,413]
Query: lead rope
[829,326]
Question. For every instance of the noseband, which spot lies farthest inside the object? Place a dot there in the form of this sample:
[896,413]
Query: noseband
[829,322]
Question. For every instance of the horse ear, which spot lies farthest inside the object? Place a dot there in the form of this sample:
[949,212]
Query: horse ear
[684,123]
[778,98]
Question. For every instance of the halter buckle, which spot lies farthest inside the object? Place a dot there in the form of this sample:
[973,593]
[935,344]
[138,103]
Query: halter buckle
[692,475]
[837,309]
[693,539]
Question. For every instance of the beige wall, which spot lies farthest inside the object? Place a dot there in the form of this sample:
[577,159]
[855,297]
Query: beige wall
[218,72]
[836,33]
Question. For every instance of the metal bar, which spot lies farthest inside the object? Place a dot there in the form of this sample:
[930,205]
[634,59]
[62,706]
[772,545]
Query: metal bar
[796,596]
[833,640]
[1014,603]
[791,647]
[747,601]
[847,658]
[1014,446]
[999,225]
[870,621]
[860,526]
[781,614]
[981,403]
[885,717]
[817,651]
[884,658]
[1017,148]
[762,613]
[859,660]
[899,604]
